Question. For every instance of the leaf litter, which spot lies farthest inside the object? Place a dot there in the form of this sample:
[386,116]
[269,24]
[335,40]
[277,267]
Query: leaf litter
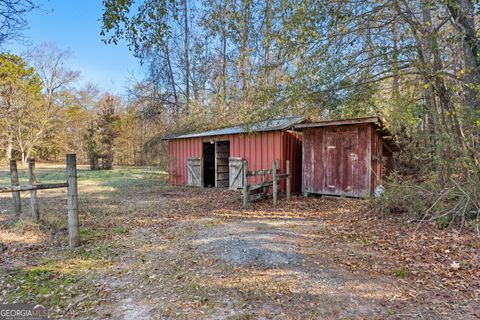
[156,251]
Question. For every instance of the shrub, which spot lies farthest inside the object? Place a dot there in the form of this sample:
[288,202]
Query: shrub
[457,202]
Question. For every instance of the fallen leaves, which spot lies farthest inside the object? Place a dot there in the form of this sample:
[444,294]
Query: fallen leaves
[137,234]
[455,266]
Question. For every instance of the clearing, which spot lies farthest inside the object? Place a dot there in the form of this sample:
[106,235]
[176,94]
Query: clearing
[150,251]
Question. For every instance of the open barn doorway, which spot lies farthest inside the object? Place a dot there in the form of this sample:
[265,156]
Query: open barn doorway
[222,153]
[208,164]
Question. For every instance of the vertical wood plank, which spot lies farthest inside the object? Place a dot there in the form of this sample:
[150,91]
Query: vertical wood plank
[275,183]
[32,180]
[288,180]
[215,152]
[245,185]
[17,204]
[72,194]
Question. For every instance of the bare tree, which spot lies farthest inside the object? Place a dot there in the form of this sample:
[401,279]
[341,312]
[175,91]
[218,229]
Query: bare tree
[49,62]
[12,18]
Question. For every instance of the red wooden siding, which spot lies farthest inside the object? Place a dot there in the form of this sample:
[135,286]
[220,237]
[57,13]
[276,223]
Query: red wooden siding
[337,160]
[259,149]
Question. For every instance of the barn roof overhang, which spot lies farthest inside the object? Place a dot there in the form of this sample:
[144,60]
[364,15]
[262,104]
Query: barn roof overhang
[268,125]
[387,137]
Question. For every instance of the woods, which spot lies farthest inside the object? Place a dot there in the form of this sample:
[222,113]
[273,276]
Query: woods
[414,63]
[44,115]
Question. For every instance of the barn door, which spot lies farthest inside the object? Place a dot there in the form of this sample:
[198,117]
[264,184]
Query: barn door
[235,166]
[222,152]
[194,172]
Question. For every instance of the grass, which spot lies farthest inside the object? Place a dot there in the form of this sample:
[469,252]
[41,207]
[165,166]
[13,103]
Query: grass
[61,276]
[400,273]
[119,177]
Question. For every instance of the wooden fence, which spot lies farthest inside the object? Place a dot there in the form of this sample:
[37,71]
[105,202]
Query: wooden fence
[33,186]
[259,191]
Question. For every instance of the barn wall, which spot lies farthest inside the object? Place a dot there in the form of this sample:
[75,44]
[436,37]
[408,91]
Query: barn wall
[259,149]
[315,160]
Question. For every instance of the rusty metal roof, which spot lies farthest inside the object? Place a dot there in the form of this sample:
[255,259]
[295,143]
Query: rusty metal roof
[268,125]
[326,123]
[388,138]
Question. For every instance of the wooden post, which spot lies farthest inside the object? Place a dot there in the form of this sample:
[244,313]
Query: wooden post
[17,204]
[246,204]
[73,228]
[287,187]
[32,180]
[275,183]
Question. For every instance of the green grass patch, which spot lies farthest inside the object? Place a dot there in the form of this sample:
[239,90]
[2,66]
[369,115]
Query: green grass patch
[39,285]
[363,241]
[122,176]
[98,252]
[400,273]
[119,230]
[87,234]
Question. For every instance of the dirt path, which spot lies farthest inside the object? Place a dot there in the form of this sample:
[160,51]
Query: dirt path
[239,269]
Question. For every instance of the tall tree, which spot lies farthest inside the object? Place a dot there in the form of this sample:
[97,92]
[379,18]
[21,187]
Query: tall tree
[23,113]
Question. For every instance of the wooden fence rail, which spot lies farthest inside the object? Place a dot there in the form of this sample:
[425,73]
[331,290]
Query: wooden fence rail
[33,186]
[259,191]
[29,187]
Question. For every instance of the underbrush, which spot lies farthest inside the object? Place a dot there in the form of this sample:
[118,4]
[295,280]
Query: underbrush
[455,204]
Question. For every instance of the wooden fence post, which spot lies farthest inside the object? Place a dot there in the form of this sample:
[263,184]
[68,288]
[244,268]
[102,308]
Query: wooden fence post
[287,187]
[73,228]
[245,185]
[275,183]
[32,180]
[17,204]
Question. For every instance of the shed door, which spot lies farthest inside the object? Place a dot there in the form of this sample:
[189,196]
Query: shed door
[194,172]
[332,163]
[235,165]
[341,163]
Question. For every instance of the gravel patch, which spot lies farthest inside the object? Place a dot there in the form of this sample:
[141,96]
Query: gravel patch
[258,244]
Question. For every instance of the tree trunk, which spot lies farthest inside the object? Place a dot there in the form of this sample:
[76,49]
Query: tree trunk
[9,148]
[224,64]
[396,78]
[266,42]
[245,48]
[172,81]
[187,63]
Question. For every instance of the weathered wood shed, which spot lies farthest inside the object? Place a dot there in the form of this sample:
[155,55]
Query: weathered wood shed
[214,158]
[345,157]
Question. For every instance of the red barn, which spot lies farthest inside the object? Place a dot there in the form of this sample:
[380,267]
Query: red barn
[345,157]
[213,158]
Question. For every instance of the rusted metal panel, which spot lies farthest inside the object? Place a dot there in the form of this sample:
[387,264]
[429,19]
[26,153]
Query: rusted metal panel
[259,149]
